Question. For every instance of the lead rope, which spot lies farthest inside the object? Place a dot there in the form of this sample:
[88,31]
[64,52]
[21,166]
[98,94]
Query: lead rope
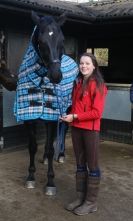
[60,128]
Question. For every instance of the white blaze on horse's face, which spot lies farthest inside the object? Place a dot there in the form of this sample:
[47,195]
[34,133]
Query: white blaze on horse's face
[51,33]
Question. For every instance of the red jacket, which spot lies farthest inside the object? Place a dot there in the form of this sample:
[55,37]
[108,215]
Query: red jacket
[90,108]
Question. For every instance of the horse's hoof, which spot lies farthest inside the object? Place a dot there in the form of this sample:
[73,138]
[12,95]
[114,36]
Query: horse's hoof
[61,159]
[50,191]
[30,184]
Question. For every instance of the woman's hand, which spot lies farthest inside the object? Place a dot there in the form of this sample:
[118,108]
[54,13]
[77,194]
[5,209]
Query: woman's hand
[67,118]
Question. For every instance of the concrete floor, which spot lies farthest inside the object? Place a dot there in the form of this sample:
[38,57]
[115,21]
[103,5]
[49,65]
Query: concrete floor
[115,202]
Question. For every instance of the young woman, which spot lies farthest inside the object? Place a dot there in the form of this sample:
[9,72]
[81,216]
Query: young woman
[87,107]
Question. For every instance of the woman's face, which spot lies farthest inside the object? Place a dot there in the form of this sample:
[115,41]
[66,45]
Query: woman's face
[86,66]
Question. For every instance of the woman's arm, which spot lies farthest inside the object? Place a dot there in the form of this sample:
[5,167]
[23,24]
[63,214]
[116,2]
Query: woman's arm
[97,107]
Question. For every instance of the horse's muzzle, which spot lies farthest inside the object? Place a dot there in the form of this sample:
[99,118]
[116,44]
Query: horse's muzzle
[54,72]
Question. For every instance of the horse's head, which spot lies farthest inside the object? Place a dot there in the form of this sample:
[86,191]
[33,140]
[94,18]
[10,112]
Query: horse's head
[48,40]
[7,79]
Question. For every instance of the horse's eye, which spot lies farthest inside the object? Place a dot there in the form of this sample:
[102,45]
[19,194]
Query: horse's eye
[41,32]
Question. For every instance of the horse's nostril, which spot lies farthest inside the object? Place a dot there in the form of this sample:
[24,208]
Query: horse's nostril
[55,76]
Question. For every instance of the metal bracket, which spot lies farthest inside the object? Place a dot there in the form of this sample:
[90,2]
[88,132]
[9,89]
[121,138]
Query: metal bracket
[1,143]
[132,137]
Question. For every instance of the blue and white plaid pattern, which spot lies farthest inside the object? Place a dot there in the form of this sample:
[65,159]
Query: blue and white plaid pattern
[29,91]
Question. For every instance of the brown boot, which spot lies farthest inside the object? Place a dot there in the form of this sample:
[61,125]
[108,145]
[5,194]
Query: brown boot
[90,203]
[81,182]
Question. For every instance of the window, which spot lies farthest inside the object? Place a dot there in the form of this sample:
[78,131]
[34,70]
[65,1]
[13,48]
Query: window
[101,55]
[71,46]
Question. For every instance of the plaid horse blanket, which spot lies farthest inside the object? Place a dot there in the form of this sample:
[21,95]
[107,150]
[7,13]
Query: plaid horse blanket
[36,97]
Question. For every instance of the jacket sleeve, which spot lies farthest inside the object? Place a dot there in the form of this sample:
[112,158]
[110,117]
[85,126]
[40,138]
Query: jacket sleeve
[97,106]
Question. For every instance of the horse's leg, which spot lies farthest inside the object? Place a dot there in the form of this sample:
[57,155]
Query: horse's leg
[51,133]
[45,158]
[31,129]
[61,156]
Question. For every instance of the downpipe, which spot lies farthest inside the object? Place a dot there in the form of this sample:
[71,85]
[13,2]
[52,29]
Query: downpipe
[1,143]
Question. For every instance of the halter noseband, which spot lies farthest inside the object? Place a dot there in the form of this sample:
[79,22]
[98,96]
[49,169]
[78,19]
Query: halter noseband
[55,61]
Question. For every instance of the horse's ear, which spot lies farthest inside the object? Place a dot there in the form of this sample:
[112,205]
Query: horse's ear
[35,17]
[61,19]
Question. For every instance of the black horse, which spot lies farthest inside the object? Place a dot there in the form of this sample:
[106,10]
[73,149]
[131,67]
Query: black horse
[7,79]
[44,88]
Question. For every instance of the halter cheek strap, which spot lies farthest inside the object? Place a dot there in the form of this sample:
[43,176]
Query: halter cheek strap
[56,61]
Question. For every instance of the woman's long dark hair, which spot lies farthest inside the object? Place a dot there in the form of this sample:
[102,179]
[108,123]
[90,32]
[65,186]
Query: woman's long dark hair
[96,75]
